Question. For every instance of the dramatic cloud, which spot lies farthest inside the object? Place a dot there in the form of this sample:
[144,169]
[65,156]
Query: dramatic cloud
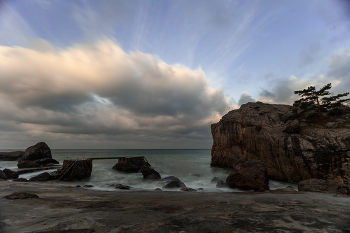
[245,98]
[98,89]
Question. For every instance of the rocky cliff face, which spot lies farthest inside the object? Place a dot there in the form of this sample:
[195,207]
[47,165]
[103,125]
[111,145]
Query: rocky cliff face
[292,151]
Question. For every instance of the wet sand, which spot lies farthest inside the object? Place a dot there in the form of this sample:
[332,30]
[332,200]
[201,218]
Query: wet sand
[62,207]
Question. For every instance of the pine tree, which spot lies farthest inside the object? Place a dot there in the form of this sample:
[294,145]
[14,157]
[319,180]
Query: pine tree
[312,99]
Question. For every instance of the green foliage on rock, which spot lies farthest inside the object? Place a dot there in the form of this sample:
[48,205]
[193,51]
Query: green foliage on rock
[320,100]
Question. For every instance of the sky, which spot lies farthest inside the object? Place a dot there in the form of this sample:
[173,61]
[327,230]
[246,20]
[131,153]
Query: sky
[155,74]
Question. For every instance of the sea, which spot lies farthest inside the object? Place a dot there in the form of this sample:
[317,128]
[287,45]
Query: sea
[191,166]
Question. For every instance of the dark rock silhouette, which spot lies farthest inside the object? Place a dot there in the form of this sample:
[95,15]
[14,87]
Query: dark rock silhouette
[247,175]
[257,131]
[35,156]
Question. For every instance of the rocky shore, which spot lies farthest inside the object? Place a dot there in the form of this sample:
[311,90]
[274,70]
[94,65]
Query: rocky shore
[54,207]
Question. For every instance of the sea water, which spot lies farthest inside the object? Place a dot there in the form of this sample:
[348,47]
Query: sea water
[191,166]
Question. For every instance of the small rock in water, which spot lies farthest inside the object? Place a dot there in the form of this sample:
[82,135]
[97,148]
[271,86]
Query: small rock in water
[158,189]
[78,186]
[21,195]
[88,186]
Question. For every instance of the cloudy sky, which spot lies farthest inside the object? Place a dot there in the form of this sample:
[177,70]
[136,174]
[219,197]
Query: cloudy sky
[155,74]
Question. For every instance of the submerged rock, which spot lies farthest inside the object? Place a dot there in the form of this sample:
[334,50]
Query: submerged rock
[35,156]
[21,195]
[171,182]
[131,164]
[247,175]
[150,173]
[258,131]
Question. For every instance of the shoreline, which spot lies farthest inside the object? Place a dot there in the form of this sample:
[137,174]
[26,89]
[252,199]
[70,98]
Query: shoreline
[62,206]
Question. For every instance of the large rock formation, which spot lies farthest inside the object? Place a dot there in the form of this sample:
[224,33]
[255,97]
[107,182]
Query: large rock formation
[291,153]
[35,156]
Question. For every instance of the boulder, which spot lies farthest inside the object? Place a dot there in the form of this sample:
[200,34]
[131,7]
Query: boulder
[171,182]
[247,175]
[35,156]
[21,195]
[150,173]
[314,152]
[39,151]
[323,186]
[10,174]
[131,164]
[11,156]
[42,177]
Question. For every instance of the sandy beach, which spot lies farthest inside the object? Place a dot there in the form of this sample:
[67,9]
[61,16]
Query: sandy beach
[63,207]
